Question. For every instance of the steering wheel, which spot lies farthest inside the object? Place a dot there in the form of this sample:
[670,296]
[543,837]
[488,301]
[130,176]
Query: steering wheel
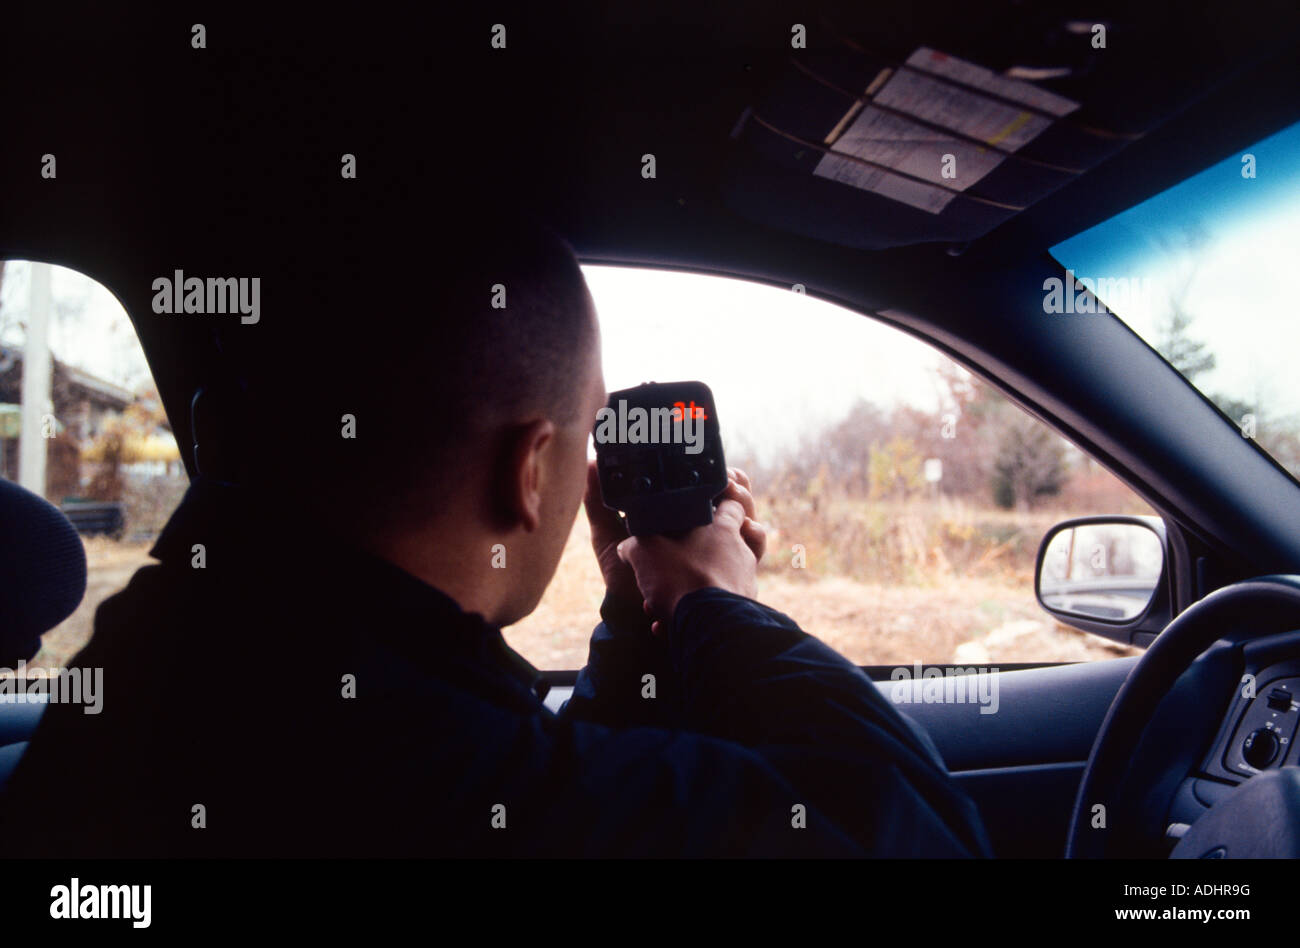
[1247,611]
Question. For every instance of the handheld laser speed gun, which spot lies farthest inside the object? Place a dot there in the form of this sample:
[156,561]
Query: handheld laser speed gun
[659,456]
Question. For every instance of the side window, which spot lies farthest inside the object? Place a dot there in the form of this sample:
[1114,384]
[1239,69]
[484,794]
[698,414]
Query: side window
[82,425]
[904,499]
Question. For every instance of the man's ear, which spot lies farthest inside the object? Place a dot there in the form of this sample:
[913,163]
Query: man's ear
[522,490]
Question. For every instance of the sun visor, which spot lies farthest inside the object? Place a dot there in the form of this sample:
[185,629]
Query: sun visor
[858,150]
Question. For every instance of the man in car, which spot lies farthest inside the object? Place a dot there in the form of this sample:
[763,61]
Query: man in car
[316,667]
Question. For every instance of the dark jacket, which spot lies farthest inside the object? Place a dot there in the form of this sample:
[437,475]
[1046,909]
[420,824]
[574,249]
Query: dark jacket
[297,698]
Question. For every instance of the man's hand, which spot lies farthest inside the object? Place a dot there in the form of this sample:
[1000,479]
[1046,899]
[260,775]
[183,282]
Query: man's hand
[607,532]
[724,554]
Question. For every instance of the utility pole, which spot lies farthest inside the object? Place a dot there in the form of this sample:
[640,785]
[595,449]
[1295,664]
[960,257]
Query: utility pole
[37,373]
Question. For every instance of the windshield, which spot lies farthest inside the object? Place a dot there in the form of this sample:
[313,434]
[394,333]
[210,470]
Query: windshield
[1201,273]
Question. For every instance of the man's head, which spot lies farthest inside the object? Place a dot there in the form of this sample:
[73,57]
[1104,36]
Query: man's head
[437,405]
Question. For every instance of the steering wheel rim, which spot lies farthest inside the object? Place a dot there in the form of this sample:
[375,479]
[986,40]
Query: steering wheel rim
[1268,604]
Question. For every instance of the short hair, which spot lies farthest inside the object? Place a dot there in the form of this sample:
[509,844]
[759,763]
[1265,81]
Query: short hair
[428,351]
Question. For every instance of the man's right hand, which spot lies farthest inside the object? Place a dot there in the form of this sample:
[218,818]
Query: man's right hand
[607,531]
[724,555]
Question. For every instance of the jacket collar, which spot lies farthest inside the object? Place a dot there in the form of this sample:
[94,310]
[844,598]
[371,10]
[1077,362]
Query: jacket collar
[238,524]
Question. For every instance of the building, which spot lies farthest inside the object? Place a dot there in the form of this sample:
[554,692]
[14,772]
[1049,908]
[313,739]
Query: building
[82,406]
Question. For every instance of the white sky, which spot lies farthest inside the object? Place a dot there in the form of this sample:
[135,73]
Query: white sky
[1245,307]
[90,329]
[780,364]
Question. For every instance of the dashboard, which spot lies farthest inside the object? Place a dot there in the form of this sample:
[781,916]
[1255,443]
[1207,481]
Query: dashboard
[1257,733]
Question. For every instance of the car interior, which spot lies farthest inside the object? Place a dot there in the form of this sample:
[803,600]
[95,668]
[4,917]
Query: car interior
[699,144]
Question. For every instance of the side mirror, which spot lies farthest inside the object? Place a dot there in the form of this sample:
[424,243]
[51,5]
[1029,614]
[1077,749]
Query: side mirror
[1106,575]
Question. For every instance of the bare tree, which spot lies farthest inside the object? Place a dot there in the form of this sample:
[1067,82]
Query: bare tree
[1189,356]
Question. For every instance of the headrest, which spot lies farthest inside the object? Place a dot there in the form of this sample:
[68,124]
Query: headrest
[42,571]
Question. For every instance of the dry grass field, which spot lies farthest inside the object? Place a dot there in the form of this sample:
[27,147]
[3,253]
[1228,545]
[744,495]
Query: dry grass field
[972,616]
[882,583]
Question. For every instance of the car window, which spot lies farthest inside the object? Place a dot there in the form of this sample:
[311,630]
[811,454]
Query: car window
[904,499]
[1202,273]
[82,425]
